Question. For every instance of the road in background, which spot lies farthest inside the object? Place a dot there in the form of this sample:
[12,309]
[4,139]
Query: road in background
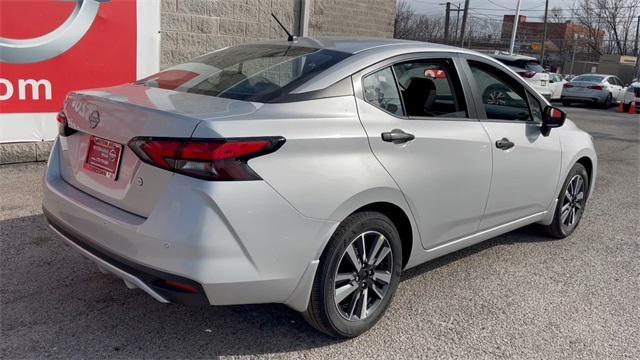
[517,295]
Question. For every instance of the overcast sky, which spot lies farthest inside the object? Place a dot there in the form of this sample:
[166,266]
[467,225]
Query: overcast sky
[492,8]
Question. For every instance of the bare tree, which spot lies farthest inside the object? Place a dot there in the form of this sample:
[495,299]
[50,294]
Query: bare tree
[413,26]
[615,17]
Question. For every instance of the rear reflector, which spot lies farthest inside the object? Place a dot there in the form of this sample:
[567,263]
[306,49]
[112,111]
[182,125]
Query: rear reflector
[174,285]
[209,159]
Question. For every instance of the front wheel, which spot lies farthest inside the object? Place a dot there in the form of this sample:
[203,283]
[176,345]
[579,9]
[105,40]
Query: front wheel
[571,203]
[358,275]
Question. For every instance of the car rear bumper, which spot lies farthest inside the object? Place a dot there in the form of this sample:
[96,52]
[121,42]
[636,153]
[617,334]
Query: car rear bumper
[236,243]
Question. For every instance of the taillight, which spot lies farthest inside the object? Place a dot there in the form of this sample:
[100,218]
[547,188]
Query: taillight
[63,125]
[528,74]
[567,86]
[209,159]
[595,87]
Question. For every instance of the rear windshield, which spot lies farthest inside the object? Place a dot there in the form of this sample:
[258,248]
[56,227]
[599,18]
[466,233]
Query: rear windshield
[590,78]
[247,72]
[531,65]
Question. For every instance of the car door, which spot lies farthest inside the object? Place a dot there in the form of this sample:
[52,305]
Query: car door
[526,164]
[425,134]
[614,87]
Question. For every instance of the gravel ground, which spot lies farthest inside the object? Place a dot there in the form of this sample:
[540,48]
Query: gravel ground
[519,295]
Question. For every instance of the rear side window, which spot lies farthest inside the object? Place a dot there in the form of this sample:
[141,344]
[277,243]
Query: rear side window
[247,72]
[430,88]
[380,91]
[590,78]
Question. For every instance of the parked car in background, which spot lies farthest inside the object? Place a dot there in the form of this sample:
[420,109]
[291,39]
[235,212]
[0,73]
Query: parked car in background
[569,77]
[597,89]
[632,97]
[309,172]
[556,83]
[530,69]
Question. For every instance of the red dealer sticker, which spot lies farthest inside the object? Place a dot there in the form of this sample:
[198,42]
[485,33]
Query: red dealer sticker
[88,44]
[103,157]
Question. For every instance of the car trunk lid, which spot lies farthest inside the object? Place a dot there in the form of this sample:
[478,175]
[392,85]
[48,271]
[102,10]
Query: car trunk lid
[112,117]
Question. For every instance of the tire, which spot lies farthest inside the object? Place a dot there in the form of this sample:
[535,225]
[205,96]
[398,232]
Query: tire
[342,318]
[566,103]
[626,107]
[607,102]
[496,94]
[559,228]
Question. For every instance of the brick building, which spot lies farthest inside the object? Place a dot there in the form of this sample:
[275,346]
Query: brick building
[192,27]
[559,35]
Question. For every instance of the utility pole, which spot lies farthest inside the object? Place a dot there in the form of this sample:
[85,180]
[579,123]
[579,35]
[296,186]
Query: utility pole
[635,46]
[573,56]
[457,22]
[446,23]
[464,21]
[515,28]
[544,33]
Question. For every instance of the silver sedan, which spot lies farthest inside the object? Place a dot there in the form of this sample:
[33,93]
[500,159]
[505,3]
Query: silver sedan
[309,173]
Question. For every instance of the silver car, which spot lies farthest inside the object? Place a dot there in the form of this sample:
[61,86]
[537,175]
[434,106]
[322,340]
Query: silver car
[597,89]
[309,173]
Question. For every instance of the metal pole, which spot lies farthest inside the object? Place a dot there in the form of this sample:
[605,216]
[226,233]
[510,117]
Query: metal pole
[635,46]
[446,23]
[455,40]
[573,57]
[304,18]
[515,28]
[544,33]
[464,21]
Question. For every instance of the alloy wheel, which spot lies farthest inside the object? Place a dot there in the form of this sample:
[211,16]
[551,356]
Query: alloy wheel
[363,276]
[497,98]
[573,203]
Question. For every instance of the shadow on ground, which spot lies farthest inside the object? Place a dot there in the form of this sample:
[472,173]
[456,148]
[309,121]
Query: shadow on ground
[54,295]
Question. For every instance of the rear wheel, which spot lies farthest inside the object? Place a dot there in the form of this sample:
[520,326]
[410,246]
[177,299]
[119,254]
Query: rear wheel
[358,275]
[607,102]
[571,203]
[626,107]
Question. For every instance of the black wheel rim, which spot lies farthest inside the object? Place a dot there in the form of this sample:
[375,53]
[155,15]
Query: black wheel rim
[572,203]
[363,276]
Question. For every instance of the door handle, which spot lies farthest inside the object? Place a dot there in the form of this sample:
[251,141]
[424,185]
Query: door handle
[504,144]
[397,136]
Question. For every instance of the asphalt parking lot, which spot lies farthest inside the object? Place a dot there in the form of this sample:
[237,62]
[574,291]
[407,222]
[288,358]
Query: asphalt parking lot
[519,295]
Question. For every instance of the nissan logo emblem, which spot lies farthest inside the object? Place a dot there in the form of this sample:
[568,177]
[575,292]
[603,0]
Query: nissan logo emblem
[57,42]
[94,119]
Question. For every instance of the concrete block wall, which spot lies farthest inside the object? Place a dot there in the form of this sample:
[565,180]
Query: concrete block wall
[193,27]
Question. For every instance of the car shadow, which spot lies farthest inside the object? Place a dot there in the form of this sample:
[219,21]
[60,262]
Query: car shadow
[55,302]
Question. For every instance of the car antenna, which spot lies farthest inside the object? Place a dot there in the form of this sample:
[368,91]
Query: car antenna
[289,36]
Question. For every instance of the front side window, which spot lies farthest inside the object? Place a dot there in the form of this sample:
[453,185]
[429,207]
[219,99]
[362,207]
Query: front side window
[536,108]
[380,90]
[246,72]
[502,96]
[430,88]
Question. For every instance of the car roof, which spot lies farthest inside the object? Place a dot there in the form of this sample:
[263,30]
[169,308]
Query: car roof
[354,45]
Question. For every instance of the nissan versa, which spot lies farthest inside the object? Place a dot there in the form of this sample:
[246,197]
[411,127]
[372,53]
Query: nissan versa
[309,172]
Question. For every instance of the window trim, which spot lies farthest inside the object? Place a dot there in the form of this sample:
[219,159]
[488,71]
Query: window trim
[477,98]
[454,57]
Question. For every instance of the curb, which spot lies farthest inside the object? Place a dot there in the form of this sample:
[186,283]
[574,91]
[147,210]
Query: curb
[13,153]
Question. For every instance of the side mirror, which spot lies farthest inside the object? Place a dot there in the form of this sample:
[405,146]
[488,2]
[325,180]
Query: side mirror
[552,118]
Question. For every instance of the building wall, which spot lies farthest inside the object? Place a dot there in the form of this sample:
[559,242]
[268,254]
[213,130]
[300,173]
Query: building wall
[193,27]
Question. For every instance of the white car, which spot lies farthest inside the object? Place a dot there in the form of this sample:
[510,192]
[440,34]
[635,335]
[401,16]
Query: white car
[631,95]
[602,90]
[530,70]
[555,83]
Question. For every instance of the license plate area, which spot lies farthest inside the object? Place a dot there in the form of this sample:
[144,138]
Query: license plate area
[103,157]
